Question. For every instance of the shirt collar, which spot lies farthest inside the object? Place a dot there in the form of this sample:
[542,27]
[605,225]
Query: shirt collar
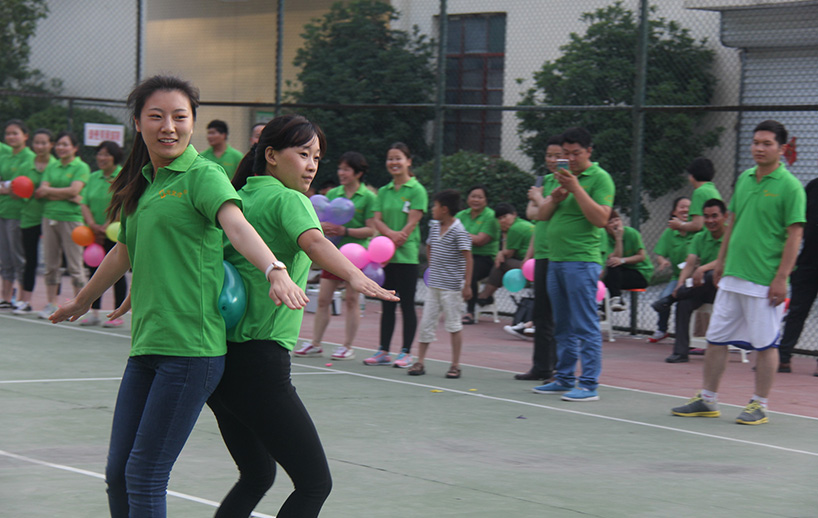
[179,165]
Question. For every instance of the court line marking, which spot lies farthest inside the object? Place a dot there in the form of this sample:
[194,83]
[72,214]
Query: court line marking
[93,474]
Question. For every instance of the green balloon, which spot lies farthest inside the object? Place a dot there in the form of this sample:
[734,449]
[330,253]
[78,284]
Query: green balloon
[233,298]
[514,280]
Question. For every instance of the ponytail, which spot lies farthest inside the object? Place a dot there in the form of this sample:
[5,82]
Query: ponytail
[245,168]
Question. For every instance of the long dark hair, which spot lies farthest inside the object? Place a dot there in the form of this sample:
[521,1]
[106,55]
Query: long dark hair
[284,131]
[129,185]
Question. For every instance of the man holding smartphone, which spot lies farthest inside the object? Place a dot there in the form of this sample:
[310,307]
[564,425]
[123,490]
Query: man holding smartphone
[579,204]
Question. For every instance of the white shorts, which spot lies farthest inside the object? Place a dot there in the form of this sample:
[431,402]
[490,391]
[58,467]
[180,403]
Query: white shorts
[744,321]
[450,303]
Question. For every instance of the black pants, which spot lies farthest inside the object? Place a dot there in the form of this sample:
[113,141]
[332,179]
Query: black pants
[120,287]
[263,421]
[804,288]
[545,347]
[480,270]
[402,278]
[31,248]
[621,278]
[689,300]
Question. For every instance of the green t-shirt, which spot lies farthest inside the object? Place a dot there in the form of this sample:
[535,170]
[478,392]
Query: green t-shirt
[229,160]
[762,212]
[541,227]
[705,247]
[5,150]
[32,213]
[96,194]
[59,175]
[175,247]
[672,245]
[571,237]
[704,192]
[394,206]
[12,166]
[485,222]
[364,201]
[518,237]
[280,215]
[631,244]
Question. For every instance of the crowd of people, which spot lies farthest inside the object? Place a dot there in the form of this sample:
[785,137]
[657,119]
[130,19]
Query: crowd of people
[250,211]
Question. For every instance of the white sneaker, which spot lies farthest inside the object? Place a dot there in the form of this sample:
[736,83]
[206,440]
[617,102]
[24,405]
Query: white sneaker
[309,351]
[518,331]
[23,308]
[342,353]
[90,320]
[47,311]
[617,304]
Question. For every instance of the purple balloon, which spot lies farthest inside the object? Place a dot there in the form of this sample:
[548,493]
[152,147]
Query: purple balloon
[320,204]
[374,272]
[426,277]
[340,211]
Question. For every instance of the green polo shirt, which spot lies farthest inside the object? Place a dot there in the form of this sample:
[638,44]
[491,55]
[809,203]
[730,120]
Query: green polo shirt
[485,222]
[518,237]
[32,213]
[12,166]
[394,206]
[229,160]
[5,150]
[631,244]
[96,194]
[762,212]
[175,247]
[705,247]
[280,215]
[571,237]
[541,227]
[59,175]
[672,245]
[364,201]
[706,191]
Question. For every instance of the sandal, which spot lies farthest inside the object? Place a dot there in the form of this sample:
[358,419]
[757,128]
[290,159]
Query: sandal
[453,372]
[467,320]
[417,369]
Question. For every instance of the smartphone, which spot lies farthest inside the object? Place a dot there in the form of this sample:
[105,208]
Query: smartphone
[538,181]
[562,163]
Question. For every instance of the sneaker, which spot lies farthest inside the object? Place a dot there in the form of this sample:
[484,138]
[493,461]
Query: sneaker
[342,353]
[529,332]
[581,394]
[47,311]
[555,387]
[23,308]
[753,413]
[403,360]
[658,336]
[697,407]
[617,304]
[4,304]
[379,358]
[117,322]
[518,331]
[308,350]
[90,320]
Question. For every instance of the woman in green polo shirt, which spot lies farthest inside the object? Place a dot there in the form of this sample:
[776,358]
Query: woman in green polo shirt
[96,196]
[261,418]
[627,266]
[481,222]
[172,204]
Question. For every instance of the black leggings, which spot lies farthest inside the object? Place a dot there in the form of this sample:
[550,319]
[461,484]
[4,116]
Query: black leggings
[482,269]
[120,287]
[263,421]
[31,248]
[621,278]
[402,278]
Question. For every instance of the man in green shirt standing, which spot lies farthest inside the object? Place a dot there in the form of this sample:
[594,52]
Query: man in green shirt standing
[757,254]
[219,151]
[577,207]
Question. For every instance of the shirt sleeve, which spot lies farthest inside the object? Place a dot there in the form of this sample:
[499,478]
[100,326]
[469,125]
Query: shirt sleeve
[420,198]
[604,190]
[662,247]
[795,205]
[463,239]
[211,189]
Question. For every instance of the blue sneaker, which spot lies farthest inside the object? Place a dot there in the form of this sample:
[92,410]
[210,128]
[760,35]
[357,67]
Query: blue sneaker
[581,394]
[555,387]
[379,358]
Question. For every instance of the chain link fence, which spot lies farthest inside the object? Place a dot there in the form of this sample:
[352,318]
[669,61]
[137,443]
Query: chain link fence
[514,73]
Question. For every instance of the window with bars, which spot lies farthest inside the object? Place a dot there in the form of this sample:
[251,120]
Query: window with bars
[475,54]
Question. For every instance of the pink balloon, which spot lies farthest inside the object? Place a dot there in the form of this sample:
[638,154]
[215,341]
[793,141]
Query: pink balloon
[93,255]
[600,291]
[356,254]
[381,249]
[528,270]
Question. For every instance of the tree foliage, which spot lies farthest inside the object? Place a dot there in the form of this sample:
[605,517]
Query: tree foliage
[55,118]
[352,56]
[599,68]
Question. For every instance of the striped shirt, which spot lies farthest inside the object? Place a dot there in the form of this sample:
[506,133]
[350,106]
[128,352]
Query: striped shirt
[447,266]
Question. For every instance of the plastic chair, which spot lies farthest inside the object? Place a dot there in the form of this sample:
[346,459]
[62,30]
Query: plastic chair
[701,342]
[488,308]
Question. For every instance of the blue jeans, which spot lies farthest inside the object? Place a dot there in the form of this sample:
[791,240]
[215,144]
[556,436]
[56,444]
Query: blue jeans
[664,316]
[572,289]
[159,401]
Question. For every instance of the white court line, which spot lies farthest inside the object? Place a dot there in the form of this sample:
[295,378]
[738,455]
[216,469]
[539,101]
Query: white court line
[59,327]
[100,476]
[8,382]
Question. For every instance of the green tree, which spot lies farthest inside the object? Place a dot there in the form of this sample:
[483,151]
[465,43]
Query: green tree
[352,56]
[598,69]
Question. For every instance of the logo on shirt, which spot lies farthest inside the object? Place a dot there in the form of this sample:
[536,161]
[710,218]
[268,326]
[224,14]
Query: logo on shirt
[769,194]
[168,192]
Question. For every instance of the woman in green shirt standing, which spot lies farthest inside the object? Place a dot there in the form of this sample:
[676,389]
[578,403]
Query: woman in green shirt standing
[481,222]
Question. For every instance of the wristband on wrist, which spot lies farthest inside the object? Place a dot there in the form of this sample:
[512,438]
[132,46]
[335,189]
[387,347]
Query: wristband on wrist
[346,231]
[275,265]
